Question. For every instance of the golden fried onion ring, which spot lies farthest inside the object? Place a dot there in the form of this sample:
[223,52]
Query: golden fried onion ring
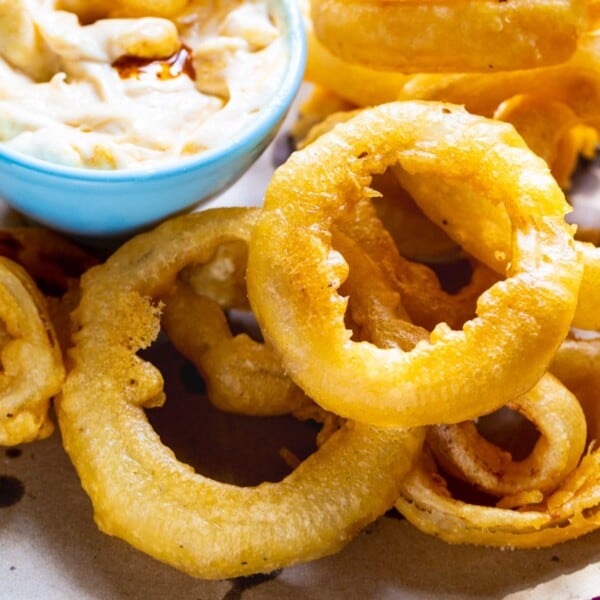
[557,415]
[141,492]
[571,511]
[294,274]
[55,264]
[442,36]
[31,358]
[575,82]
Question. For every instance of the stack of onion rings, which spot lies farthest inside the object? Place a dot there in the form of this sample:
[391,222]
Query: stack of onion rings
[560,498]
[359,335]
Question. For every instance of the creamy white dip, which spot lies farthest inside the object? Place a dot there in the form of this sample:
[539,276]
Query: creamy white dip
[75,107]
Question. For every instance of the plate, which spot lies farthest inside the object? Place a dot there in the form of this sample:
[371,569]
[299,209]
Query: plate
[50,548]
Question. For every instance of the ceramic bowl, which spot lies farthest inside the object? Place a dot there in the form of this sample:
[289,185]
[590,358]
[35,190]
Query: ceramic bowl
[105,204]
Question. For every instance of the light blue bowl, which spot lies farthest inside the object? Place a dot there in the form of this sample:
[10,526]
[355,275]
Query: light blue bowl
[109,204]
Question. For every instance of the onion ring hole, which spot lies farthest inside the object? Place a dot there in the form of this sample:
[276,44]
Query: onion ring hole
[510,431]
[215,443]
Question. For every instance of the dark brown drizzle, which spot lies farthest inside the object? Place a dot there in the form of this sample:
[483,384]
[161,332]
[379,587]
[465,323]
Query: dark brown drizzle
[241,584]
[11,491]
[169,67]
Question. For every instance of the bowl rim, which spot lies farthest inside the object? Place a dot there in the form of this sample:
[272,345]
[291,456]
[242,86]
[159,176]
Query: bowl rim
[291,17]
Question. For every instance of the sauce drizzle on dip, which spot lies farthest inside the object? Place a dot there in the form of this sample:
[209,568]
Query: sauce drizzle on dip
[179,63]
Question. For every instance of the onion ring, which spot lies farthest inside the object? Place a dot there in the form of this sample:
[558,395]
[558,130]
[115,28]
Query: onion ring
[203,527]
[31,358]
[463,452]
[575,82]
[454,37]
[568,513]
[294,274]
[55,264]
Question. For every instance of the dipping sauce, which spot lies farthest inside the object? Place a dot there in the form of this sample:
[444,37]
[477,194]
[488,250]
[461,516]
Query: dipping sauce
[124,93]
[181,62]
